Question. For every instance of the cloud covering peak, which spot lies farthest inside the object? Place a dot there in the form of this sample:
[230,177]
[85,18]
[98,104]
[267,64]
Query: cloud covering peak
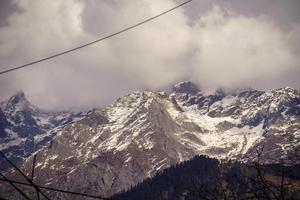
[219,48]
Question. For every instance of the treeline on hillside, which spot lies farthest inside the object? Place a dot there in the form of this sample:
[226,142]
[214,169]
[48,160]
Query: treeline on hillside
[207,178]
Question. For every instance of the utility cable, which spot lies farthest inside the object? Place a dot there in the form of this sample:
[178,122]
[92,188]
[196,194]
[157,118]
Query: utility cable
[93,42]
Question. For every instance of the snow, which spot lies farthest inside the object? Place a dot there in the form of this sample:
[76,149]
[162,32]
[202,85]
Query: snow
[72,170]
[40,137]
[252,135]
[244,138]
[273,107]
[181,159]
[225,102]
[207,122]
[128,159]
[111,142]
[53,157]
[233,141]
[148,144]
[130,111]
[96,137]
[172,111]
[157,165]
[38,164]
[42,120]
[13,141]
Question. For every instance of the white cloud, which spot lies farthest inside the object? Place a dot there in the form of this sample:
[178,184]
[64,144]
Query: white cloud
[150,56]
[153,53]
[219,49]
[42,27]
[234,50]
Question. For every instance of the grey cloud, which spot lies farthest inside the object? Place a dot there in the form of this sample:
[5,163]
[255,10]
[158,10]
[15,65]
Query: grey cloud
[234,50]
[284,13]
[7,8]
[228,47]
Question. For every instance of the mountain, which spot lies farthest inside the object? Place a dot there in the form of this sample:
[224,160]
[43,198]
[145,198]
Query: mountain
[239,124]
[25,128]
[113,148]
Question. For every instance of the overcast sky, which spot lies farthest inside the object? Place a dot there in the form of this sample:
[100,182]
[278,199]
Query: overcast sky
[223,43]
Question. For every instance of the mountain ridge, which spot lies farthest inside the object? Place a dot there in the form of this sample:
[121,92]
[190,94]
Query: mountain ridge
[112,148]
[25,128]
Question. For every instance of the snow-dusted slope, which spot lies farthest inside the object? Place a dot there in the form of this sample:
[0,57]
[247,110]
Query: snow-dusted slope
[115,147]
[237,125]
[25,128]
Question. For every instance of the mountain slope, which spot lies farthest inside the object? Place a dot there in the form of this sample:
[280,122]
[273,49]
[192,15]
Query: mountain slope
[25,128]
[244,122]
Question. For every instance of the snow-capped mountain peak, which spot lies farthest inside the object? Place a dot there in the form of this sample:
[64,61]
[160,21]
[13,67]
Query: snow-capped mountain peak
[25,128]
[17,103]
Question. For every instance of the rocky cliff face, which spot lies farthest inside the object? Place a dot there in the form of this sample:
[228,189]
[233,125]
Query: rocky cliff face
[245,122]
[24,128]
[112,148]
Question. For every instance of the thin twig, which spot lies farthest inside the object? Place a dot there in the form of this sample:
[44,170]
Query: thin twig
[32,175]
[28,179]
[59,190]
[14,186]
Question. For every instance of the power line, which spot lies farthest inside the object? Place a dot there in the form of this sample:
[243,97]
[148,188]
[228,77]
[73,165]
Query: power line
[95,41]
[28,179]
[32,175]
[38,187]
[14,186]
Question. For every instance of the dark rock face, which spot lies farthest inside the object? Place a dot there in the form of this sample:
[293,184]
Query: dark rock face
[186,88]
[94,118]
[109,149]
[3,125]
[24,128]
[190,95]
